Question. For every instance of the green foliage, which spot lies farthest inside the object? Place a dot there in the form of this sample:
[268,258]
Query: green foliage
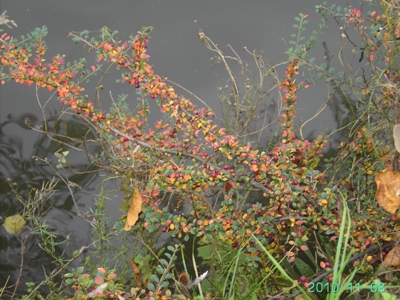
[198,179]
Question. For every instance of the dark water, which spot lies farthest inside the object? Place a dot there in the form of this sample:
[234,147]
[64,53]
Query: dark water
[176,52]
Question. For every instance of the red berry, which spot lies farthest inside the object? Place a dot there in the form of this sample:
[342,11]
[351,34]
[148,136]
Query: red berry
[295,182]
[226,167]
[175,168]
[176,175]
[327,264]
[330,279]
[232,171]
[259,211]
[172,145]
[235,244]
[303,278]
[213,174]
[329,222]
[253,162]
[164,229]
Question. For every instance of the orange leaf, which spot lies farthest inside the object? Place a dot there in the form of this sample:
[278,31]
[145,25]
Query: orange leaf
[388,191]
[392,259]
[134,210]
[304,247]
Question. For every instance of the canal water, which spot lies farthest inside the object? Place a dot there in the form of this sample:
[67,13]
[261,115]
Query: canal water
[176,52]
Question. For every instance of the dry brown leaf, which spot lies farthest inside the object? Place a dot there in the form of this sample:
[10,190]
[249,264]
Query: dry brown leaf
[137,272]
[397,31]
[134,210]
[388,191]
[392,259]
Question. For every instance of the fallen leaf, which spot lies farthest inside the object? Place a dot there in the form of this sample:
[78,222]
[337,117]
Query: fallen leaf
[396,137]
[98,291]
[134,210]
[388,191]
[14,224]
[392,259]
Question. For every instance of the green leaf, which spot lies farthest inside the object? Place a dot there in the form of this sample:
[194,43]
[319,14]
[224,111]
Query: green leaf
[76,39]
[204,251]
[164,262]
[151,287]
[160,269]
[303,268]
[154,278]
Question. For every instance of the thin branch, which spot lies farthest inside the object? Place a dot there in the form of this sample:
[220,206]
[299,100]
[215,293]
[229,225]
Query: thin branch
[4,20]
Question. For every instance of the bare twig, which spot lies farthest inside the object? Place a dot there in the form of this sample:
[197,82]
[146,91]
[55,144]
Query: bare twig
[4,20]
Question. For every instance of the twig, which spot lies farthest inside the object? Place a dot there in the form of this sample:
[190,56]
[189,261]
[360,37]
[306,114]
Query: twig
[67,183]
[254,183]
[4,20]
[21,266]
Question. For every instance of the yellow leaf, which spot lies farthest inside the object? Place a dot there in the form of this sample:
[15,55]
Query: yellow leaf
[134,210]
[14,224]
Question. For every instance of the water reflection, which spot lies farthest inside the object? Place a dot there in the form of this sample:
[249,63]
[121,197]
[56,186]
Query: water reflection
[59,213]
